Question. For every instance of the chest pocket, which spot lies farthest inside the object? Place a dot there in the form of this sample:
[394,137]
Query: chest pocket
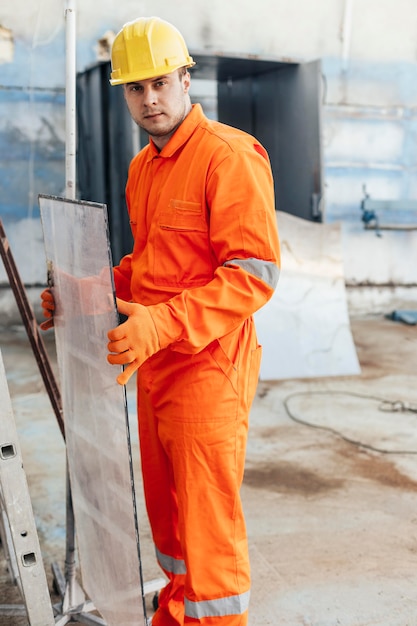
[182,249]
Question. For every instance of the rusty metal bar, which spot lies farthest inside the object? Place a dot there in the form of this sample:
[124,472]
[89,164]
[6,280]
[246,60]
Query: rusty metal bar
[32,329]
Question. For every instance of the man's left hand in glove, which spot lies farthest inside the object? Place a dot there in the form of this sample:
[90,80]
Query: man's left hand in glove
[134,341]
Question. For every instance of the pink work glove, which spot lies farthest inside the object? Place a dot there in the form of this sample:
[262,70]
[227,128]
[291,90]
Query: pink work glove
[48,305]
[134,341]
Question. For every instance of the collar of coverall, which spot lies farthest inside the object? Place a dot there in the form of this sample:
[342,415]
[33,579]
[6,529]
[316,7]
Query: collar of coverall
[181,135]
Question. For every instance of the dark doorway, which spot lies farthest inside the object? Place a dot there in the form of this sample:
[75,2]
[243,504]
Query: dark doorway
[278,102]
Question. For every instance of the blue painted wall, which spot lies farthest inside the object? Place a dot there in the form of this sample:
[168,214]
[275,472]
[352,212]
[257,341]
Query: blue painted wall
[369,134]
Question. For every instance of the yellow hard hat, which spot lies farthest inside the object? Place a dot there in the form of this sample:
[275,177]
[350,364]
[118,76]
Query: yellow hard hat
[145,48]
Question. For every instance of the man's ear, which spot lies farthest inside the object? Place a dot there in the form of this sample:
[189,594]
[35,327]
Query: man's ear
[186,81]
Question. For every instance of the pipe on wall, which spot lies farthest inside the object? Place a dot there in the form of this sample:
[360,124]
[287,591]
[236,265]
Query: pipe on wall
[346,34]
[70,100]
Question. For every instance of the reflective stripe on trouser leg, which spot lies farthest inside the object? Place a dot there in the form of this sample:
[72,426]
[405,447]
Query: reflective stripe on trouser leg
[170,564]
[233,605]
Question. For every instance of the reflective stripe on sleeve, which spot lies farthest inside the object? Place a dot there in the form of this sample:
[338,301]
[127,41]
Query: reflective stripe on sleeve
[265,270]
[170,564]
[232,605]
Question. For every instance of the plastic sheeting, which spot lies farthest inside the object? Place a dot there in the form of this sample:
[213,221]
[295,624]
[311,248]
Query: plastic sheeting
[305,328]
[95,409]
[405,316]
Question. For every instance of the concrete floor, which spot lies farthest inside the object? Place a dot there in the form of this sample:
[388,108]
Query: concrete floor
[330,489]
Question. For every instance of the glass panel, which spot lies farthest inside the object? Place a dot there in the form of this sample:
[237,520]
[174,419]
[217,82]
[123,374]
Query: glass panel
[95,408]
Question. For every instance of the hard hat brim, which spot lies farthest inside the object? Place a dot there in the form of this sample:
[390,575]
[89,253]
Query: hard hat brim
[134,77]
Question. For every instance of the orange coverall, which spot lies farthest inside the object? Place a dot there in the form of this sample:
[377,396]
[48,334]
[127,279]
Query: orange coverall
[205,258]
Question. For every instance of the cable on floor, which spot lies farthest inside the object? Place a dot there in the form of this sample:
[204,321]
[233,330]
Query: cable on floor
[385,405]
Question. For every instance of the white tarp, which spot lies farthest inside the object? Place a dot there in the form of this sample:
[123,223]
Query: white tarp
[95,410]
[305,328]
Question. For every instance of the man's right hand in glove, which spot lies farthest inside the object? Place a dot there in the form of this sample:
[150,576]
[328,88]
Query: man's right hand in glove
[48,305]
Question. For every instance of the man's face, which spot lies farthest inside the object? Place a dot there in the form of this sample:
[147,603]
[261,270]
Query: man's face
[159,105]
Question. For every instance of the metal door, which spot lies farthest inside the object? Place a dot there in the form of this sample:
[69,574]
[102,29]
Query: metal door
[282,108]
[106,145]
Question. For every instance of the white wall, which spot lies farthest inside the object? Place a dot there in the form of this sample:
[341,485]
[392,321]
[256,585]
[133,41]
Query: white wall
[379,30]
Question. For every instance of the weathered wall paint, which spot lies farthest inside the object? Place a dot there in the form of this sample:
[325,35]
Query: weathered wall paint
[6,45]
[369,103]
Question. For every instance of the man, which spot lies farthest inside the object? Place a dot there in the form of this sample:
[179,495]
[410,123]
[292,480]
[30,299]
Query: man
[206,256]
